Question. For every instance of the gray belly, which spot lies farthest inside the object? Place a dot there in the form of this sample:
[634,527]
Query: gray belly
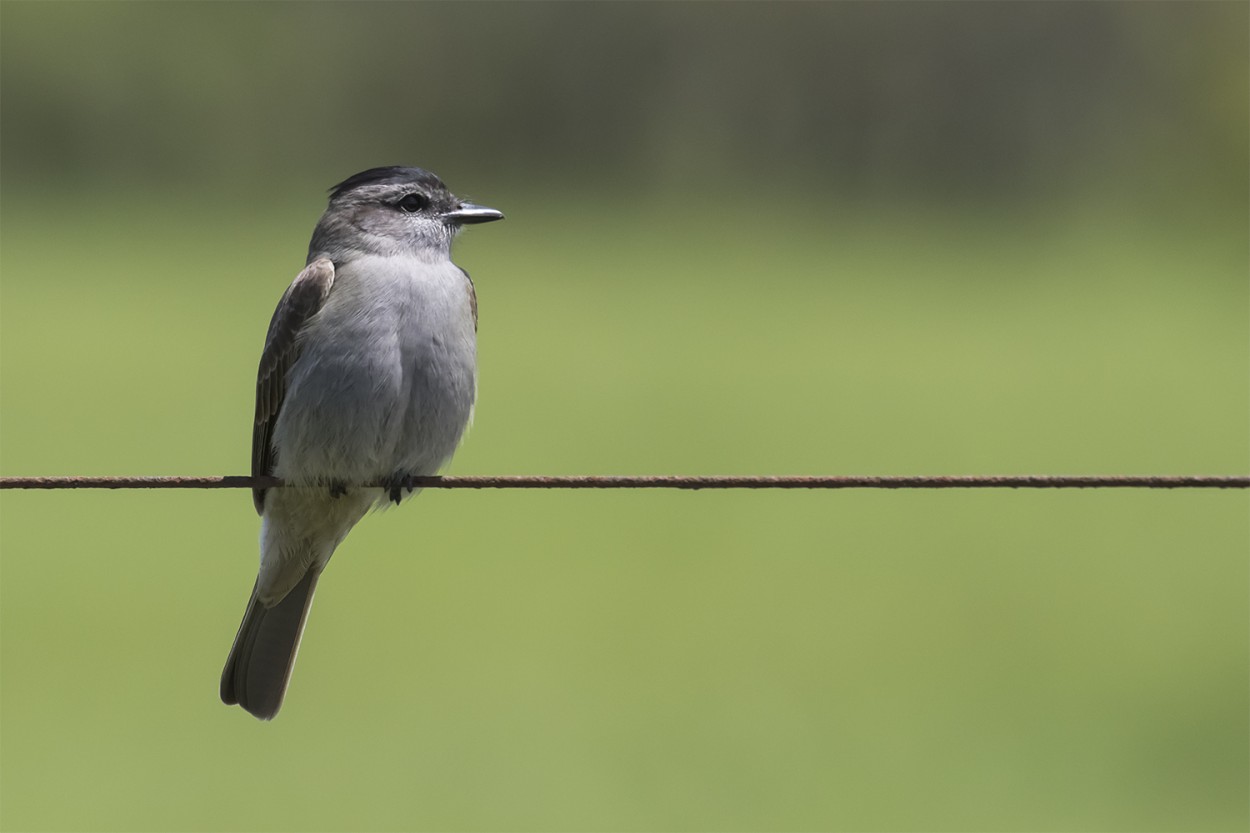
[385,383]
[441,380]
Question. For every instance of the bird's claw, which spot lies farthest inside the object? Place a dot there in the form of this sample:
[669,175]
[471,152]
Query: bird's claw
[395,488]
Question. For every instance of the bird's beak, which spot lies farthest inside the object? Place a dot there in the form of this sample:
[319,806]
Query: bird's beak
[469,213]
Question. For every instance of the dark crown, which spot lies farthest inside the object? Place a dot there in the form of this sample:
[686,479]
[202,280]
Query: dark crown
[393,174]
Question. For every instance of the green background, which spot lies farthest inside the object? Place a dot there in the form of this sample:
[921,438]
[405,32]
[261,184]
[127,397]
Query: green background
[749,239]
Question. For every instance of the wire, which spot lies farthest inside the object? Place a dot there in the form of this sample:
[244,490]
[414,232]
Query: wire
[1031,481]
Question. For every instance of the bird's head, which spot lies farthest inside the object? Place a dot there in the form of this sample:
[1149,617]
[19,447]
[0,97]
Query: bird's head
[393,211]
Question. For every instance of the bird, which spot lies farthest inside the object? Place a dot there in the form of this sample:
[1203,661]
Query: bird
[368,377]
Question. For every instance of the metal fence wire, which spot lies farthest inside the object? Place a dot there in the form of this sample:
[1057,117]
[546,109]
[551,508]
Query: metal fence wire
[1028,481]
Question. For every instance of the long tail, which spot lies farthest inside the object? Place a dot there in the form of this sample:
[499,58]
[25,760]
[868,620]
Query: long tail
[259,667]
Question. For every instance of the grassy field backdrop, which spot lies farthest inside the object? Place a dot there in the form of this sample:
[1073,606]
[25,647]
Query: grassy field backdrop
[624,660]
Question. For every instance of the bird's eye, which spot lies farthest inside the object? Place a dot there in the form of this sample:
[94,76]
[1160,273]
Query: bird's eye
[411,203]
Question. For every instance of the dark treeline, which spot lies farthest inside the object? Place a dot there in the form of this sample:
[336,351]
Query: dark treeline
[861,97]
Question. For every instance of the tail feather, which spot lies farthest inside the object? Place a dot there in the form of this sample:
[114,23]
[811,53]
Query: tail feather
[259,667]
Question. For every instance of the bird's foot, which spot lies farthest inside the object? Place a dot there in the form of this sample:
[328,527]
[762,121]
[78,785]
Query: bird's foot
[395,487]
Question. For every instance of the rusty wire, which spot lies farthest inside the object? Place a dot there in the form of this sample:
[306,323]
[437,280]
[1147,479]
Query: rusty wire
[1118,481]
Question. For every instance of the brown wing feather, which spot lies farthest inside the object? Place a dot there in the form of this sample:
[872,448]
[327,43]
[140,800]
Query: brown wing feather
[472,298]
[302,299]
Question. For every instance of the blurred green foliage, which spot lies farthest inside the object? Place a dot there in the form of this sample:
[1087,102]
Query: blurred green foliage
[1008,99]
[713,263]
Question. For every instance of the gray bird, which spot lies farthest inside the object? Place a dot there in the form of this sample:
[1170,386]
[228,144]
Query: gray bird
[368,376]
